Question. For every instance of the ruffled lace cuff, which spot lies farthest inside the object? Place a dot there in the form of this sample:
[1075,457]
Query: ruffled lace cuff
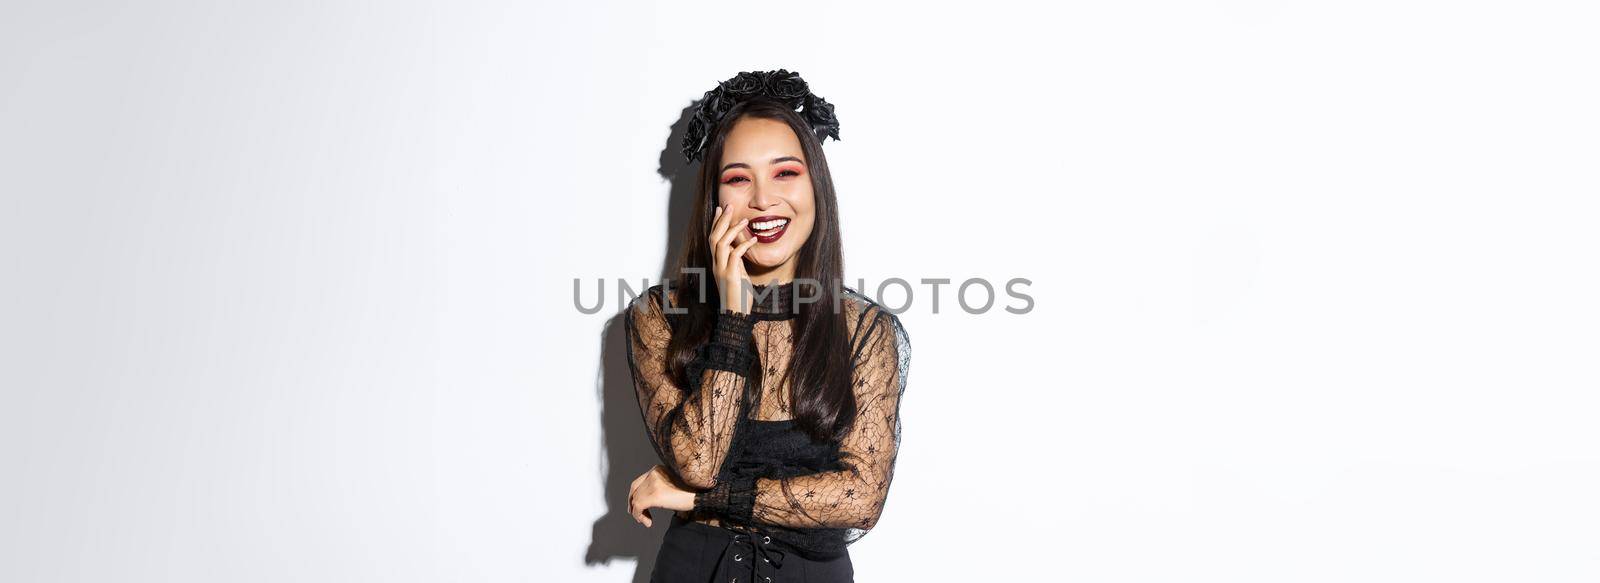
[734,498]
[732,341]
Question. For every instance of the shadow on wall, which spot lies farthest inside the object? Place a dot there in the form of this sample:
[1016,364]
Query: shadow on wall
[627,451]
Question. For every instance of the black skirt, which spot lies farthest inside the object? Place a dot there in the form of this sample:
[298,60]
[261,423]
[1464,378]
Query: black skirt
[696,552]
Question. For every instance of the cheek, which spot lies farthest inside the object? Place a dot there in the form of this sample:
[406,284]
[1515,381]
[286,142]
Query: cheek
[731,194]
[804,225]
[803,202]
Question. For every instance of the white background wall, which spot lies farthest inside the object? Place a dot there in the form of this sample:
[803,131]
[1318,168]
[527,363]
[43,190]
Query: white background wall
[287,286]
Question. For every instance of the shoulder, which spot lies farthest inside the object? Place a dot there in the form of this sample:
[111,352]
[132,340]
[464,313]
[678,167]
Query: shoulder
[868,321]
[651,298]
[659,297]
[650,308]
[879,344]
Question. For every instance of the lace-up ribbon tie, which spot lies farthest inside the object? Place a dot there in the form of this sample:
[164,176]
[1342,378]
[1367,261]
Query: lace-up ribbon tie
[755,550]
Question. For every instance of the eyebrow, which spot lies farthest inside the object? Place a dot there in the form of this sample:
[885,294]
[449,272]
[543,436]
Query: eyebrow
[774,161]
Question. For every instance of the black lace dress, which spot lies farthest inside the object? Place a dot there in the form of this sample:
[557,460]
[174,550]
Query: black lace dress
[730,434]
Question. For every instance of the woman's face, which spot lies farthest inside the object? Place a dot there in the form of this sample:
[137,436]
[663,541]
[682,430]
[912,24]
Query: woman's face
[764,178]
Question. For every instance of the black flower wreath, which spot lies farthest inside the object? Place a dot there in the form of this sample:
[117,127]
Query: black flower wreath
[781,86]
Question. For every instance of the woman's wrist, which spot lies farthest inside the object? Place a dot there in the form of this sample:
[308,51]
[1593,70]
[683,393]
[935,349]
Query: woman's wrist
[733,497]
[680,500]
[738,303]
[732,346]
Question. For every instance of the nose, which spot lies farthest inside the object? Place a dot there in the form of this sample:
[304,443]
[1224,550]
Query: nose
[762,196]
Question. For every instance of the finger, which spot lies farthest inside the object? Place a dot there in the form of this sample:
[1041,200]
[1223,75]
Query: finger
[648,521]
[642,513]
[633,496]
[719,255]
[718,252]
[724,246]
[738,252]
[733,233]
[719,223]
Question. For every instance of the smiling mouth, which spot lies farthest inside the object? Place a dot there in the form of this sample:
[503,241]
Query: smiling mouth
[768,229]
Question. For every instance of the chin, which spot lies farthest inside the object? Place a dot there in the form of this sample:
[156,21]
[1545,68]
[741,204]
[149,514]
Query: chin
[768,258]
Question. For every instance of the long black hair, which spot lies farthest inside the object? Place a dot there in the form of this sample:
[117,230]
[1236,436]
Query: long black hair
[821,397]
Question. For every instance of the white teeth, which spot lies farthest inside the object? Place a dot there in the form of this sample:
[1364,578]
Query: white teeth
[768,225]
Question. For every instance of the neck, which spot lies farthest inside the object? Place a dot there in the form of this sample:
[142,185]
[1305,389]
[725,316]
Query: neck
[770,276]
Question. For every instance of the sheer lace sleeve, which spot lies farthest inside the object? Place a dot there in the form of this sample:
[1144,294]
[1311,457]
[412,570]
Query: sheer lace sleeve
[691,427]
[852,498]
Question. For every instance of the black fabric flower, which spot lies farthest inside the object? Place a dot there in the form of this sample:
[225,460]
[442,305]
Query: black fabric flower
[820,113]
[717,102]
[694,138]
[786,87]
[782,86]
[743,84]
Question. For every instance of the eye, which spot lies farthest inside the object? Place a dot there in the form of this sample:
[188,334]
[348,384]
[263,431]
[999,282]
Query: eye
[733,179]
[788,172]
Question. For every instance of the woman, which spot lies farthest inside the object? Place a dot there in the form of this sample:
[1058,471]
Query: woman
[770,392]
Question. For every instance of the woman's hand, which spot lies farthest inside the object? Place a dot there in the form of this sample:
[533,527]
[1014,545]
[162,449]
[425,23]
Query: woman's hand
[655,489]
[727,261]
